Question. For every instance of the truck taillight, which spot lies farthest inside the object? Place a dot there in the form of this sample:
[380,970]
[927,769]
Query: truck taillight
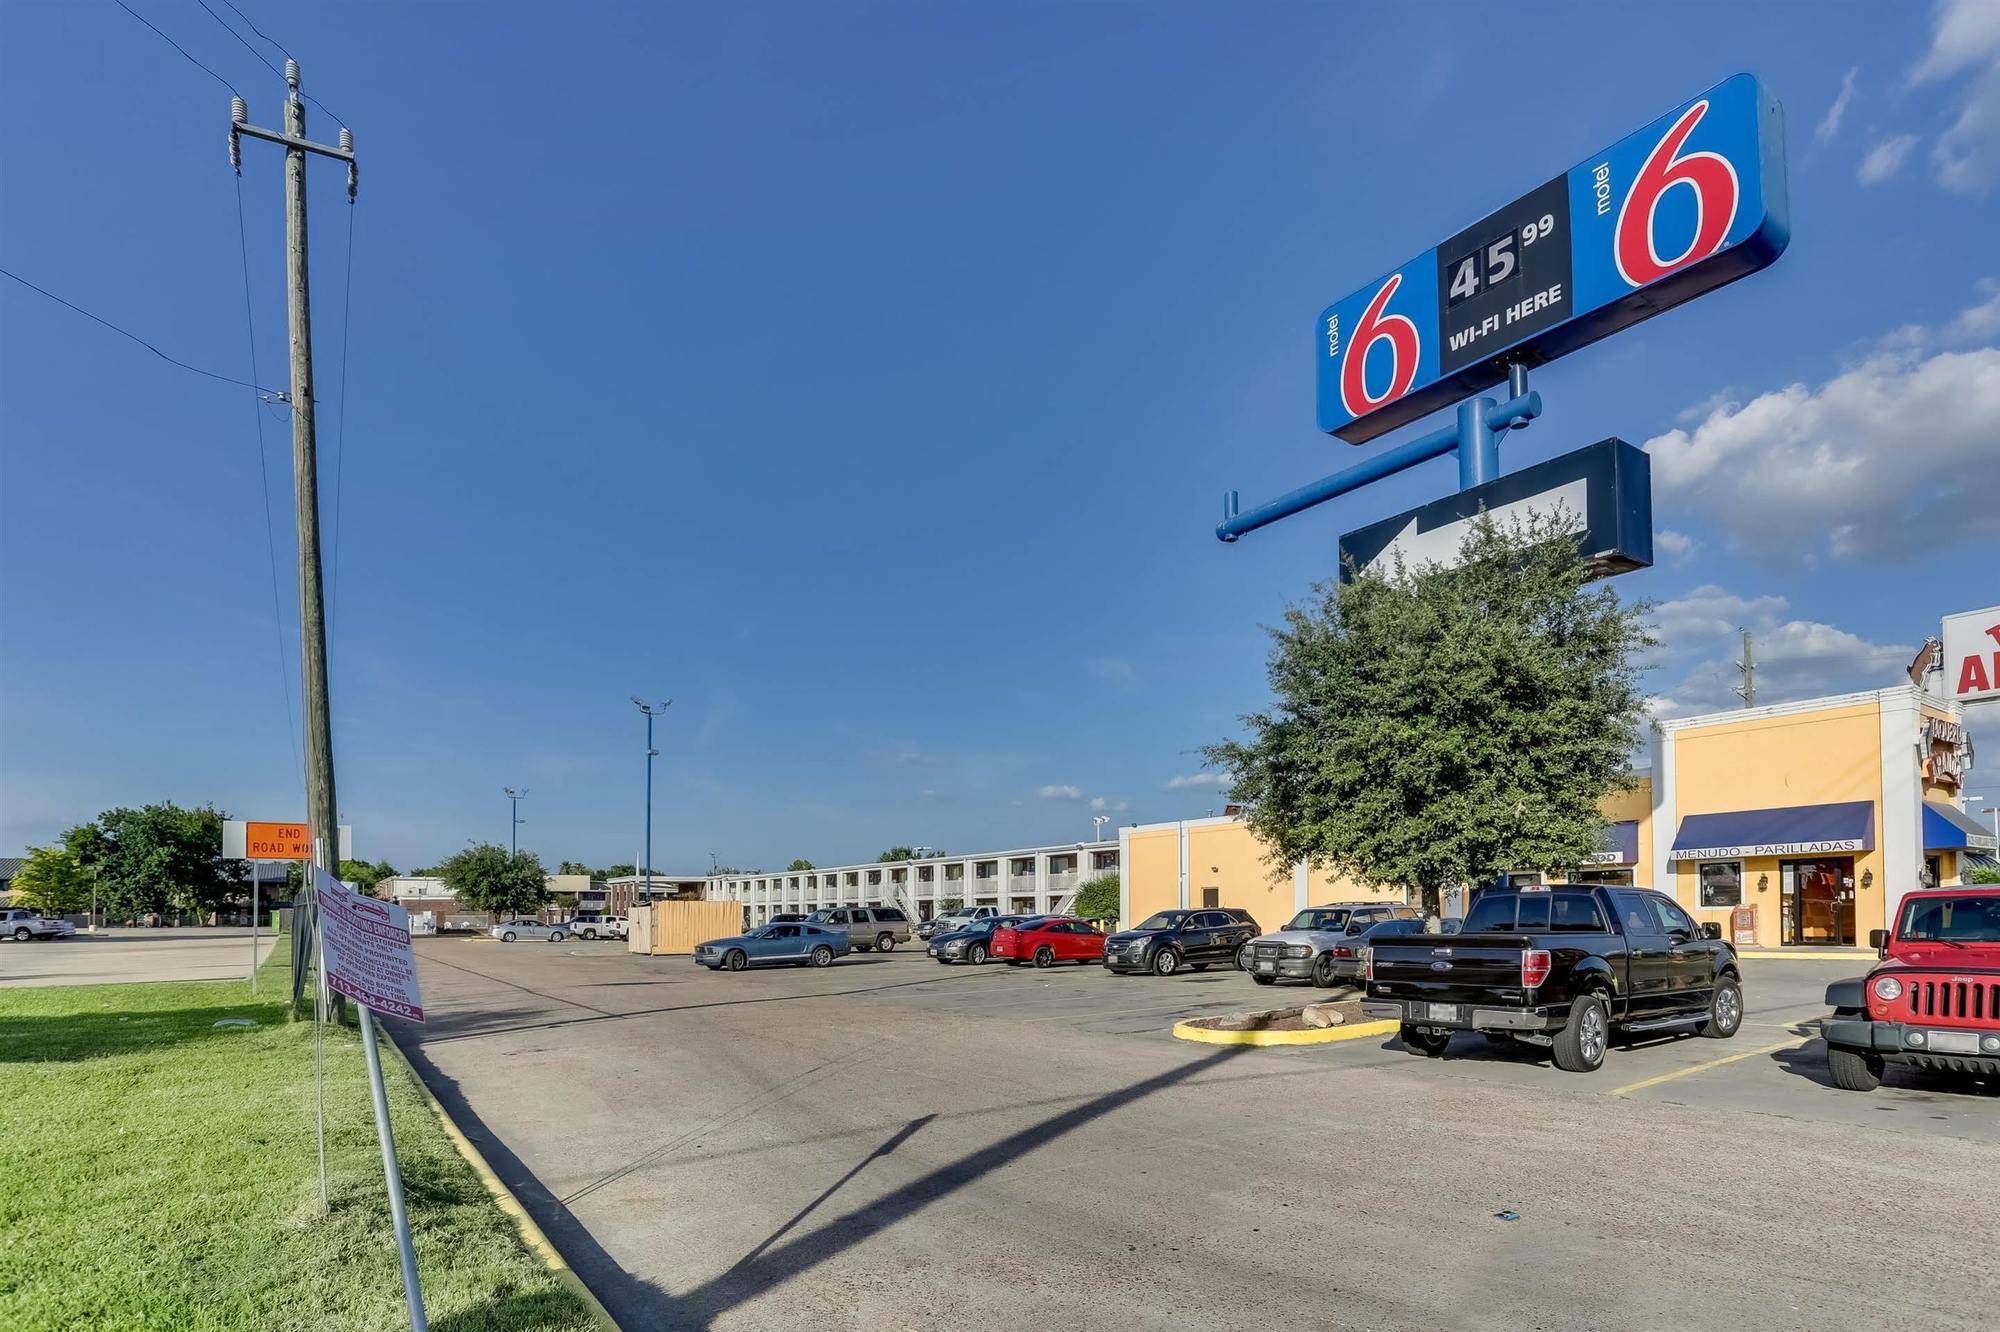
[1535,966]
[1342,950]
[1368,965]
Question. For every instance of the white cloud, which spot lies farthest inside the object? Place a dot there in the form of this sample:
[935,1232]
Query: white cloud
[1978,322]
[1061,793]
[1829,124]
[1188,781]
[1111,670]
[1102,805]
[1676,546]
[1885,159]
[1885,460]
[1794,658]
[1966,38]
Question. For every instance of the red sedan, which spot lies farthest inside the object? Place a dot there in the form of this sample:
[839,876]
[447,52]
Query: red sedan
[1047,940]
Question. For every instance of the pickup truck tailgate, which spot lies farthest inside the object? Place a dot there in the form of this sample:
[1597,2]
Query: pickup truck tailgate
[1451,968]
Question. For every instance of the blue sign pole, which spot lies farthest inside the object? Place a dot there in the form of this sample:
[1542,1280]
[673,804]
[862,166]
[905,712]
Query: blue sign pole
[1471,436]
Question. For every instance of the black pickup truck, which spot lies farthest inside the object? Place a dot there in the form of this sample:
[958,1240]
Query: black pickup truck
[1561,966]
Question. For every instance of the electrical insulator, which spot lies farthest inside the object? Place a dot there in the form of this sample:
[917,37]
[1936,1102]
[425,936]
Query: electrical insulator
[239,111]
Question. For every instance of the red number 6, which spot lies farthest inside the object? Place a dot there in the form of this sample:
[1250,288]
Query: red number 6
[1374,326]
[1713,181]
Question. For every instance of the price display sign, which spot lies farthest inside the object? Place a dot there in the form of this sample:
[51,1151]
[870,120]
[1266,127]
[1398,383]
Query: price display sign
[1691,202]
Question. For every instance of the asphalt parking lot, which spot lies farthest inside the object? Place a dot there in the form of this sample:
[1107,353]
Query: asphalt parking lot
[119,954]
[896,1144]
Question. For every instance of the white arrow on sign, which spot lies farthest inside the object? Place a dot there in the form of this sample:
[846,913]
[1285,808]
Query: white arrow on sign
[1440,545]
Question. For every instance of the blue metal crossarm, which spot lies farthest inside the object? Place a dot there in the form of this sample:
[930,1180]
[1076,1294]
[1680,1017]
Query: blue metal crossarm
[1479,418]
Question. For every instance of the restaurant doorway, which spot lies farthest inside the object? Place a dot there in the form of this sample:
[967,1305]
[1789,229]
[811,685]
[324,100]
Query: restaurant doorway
[1818,900]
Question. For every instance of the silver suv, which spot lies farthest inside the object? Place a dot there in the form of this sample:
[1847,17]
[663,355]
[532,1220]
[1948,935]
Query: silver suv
[869,929]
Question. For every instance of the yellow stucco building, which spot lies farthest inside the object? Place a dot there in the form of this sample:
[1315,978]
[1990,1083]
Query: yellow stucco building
[1796,824]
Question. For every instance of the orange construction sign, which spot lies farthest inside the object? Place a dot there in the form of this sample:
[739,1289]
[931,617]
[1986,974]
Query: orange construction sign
[277,841]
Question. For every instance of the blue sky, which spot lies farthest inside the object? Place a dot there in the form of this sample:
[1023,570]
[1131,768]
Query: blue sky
[865,379]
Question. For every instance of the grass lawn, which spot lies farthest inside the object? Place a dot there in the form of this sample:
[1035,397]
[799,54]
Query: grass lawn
[159,1172]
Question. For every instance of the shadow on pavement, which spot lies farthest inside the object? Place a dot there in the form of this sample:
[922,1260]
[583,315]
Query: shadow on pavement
[637,1303]
[1809,1062]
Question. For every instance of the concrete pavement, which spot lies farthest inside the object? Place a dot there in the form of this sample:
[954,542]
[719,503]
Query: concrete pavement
[121,954]
[892,1144]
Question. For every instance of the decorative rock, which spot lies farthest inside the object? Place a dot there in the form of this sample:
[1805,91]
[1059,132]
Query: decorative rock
[1321,1015]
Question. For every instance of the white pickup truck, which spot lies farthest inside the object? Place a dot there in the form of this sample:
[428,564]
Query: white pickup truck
[21,925]
[598,927]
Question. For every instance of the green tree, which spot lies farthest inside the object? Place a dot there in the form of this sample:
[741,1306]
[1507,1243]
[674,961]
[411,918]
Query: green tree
[947,905]
[52,881]
[491,878]
[896,853]
[573,867]
[616,872]
[1980,874]
[157,858]
[800,865]
[1097,899]
[364,876]
[1436,726]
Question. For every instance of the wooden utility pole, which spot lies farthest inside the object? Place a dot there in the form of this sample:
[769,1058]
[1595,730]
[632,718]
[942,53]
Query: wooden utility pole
[1747,691]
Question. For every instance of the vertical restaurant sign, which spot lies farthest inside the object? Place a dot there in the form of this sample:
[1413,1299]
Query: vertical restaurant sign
[1691,202]
[367,949]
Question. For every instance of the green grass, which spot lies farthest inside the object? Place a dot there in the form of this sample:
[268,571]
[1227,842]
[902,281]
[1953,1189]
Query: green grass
[159,1173]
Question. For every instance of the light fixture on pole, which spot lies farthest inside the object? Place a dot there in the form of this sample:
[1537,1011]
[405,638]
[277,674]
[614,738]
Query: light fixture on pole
[651,710]
[514,819]
[1097,822]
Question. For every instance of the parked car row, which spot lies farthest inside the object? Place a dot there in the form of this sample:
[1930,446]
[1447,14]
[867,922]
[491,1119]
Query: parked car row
[588,926]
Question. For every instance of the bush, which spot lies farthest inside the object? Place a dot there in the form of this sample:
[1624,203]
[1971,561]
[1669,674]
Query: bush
[1982,875]
[1098,898]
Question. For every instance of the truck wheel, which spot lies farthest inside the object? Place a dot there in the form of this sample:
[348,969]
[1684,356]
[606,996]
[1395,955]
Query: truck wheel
[1725,1009]
[735,960]
[22,934]
[1166,962]
[1263,980]
[1852,1070]
[1323,971]
[1243,958]
[885,943]
[1580,1045]
[1429,1042]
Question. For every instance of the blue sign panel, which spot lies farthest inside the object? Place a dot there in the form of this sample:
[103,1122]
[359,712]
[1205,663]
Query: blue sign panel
[1602,492]
[1691,202]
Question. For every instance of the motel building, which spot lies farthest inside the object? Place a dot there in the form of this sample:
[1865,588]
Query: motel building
[1794,825]
[1031,880]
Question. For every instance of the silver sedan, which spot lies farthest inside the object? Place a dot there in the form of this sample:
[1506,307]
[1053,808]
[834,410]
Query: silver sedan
[509,930]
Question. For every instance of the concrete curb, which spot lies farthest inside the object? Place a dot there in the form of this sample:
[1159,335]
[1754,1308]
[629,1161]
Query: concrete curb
[531,1234]
[1323,1036]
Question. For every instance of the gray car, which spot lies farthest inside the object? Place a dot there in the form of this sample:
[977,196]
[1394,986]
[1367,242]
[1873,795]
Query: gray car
[507,931]
[1323,944]
[792,945]
[869,929]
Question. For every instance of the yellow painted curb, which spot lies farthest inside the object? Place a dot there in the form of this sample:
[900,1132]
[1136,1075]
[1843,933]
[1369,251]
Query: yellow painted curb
[1322,1036]
[531,1234]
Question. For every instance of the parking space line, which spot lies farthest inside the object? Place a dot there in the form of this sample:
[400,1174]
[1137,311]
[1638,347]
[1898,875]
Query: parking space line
[1656,1080]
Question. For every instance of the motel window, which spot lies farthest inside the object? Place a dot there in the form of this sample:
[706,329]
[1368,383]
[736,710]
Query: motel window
[1721,882]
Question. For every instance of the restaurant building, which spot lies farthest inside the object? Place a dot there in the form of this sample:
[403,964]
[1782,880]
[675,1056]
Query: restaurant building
[1794,825]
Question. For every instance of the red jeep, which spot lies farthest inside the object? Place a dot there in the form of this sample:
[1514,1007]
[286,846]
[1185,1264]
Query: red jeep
[1934,999]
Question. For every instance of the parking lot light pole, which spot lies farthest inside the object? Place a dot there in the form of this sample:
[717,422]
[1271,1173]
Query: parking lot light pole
[514,818]
[651,711]
[1097,822]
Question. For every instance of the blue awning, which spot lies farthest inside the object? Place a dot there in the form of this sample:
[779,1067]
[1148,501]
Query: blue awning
[1949,828]
[1795,830]
[1621,845]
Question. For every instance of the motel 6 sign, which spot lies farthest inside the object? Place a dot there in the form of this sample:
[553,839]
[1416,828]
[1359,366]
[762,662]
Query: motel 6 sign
[1691,202]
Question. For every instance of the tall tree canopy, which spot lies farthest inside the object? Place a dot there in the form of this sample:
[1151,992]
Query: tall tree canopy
[800,865]
[1097,899]
[573,867]
[896,853]
[52,881]
[1438,726]
[156,858]
[492,878]
[365,876]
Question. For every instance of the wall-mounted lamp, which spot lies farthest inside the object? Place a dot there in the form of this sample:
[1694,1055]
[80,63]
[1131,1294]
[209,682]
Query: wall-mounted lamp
[1763,883]
[1867,878]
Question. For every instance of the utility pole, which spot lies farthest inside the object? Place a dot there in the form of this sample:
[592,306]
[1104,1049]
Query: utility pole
[1747,691]
[513,832]
[322,806]
[651,711]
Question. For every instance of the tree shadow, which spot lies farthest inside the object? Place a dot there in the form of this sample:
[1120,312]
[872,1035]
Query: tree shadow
[72,1037]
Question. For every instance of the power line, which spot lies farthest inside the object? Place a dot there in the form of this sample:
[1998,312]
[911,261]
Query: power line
[282,50]
[240,37]
[177,46]
[340,431]
[264,492]
[277,394]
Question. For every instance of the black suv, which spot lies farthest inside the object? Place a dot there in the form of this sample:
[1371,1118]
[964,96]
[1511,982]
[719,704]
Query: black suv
[1166,940]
